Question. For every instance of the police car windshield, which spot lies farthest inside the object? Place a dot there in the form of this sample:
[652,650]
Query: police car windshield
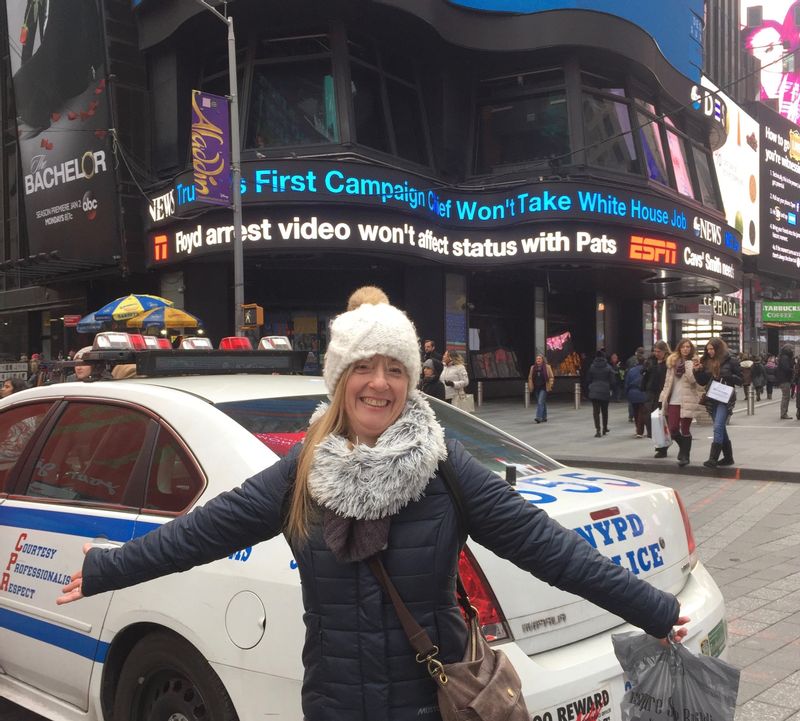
[279,423]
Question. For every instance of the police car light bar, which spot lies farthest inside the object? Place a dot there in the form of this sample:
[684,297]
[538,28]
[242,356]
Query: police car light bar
[274,342]
[196,343]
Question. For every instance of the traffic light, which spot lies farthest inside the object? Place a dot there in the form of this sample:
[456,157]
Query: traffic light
[253,316]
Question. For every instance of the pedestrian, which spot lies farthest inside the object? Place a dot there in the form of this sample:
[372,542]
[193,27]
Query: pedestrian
[655,373]
[11,386]
[454,376]
[717,364]
[431,385]
[429,350]
[771,368]
[783,377]
[637,397]
[82,371]
[759,376]
[34,368]
[680,396]
[617,387]
[796,382]
[636,359]
[366,483]
[540,382]
[600,378]
[746,364]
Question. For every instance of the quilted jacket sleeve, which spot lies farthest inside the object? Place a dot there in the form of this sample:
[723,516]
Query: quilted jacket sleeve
[233,520]
[500,519]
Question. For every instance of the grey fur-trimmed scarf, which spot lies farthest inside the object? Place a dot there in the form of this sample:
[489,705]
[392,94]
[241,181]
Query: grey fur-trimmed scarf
[360,487]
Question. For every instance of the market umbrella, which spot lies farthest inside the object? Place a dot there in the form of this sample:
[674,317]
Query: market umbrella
[90,324]
[129,306]
[164,317]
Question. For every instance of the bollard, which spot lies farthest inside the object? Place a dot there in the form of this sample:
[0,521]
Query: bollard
[751,401]
[577,396]
[526,396]
[480,393]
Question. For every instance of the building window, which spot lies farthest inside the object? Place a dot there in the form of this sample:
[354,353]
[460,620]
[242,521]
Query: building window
[387,109]
[607,134]
[653,148]
[292,98]
[680,165]
[705,178]
[519,121]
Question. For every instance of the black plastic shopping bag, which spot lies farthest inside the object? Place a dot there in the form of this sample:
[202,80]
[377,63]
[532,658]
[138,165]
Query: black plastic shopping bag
[670,683]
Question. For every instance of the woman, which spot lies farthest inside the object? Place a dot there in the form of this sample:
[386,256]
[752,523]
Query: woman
[454,376]
[376,428]
[601,379]
[759,376]
[540,381]
[634,389]
[655,373]
[717,364]
[771,368]
[681,396]
[11,386]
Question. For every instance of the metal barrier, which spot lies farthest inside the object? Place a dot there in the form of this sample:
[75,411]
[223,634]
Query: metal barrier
[577,396]
[480,393]
[527,395]
[751,401]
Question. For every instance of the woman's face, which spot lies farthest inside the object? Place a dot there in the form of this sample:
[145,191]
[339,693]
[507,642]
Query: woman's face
[659,354]
[7,389]
[446,359]
[686,349]
[710,350]
[539,360]
[82,372]
[375,395]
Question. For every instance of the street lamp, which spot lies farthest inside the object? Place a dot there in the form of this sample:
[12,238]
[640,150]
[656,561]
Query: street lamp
[236,172]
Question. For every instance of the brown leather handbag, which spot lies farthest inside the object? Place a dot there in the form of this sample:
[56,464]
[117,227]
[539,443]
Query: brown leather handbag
[483,686]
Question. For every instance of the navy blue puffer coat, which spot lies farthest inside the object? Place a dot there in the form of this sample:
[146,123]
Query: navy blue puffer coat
[358,662]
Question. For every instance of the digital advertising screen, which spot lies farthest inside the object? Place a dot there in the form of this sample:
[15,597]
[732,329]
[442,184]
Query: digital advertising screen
[780,194]
[737,165]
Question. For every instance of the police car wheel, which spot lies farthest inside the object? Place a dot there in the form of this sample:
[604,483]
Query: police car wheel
[165,679]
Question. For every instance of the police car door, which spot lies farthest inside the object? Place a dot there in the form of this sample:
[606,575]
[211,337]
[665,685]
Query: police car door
[81,482]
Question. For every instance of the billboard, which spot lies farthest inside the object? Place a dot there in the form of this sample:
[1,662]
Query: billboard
[771,33]
[677,25]
[780,194]
[737,165]
[57,58]
[211,148]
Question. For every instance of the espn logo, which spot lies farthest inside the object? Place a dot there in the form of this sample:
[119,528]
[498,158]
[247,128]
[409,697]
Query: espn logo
[653,250]
[160,247]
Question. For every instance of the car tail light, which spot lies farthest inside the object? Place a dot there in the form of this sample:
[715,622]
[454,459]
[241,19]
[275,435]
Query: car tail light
[111,340]
[493,622]
[164,343]
[137,341]
[235,342]
[689,535]
[150,341]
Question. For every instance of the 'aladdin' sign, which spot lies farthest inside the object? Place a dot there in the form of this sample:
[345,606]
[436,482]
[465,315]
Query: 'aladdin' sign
[210,143]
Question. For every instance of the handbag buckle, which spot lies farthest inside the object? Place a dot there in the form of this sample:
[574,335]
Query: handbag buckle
[435,667]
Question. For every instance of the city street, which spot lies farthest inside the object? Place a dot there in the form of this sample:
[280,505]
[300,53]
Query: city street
[746,529]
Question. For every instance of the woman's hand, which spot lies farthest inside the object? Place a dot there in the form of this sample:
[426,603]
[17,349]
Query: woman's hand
[679,631]
[73,590]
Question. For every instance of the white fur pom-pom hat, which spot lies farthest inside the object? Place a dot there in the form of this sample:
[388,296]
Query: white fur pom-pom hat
[369,330]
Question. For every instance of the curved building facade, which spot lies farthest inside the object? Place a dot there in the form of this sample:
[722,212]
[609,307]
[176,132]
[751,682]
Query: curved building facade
[516,180]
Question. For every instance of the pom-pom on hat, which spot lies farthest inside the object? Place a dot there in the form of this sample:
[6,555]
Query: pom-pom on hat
[370,329]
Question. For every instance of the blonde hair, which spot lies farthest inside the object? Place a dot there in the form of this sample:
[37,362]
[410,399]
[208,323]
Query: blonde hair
[675,356]
[334,420]
[456,357]
[366,294]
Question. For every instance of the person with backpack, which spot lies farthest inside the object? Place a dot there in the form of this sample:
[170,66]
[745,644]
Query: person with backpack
[367,485]
[636,396]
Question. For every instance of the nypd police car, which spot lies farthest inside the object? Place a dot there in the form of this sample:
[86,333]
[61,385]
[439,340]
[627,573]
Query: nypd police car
[107,461]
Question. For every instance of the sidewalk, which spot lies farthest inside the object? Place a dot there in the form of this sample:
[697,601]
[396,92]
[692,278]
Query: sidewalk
[765,447]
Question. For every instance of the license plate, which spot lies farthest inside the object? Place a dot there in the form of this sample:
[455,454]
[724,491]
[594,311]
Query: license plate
[717,639]
[594,706]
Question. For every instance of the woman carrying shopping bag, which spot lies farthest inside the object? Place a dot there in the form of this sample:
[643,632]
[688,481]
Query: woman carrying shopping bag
[680,397]
[454,376]
[718,366]
[367,487]
[540,381]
